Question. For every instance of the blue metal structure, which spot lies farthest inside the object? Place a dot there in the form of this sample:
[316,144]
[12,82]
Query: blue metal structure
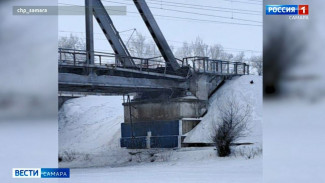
[165,134]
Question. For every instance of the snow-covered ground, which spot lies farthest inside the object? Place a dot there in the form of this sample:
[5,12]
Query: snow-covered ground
[90,127]
[228,170]
[89,133]
[245,93]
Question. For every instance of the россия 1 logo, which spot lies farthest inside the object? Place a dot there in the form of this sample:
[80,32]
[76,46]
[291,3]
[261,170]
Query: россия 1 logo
[303,9]
[295,11]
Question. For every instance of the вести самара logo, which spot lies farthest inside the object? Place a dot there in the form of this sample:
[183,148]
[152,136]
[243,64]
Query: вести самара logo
[40,173]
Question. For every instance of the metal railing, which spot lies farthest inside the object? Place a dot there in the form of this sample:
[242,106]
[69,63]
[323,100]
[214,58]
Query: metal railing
[206,65]
[76,57]
[197,64]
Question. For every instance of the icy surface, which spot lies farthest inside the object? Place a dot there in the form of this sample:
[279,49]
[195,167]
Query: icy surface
[245,93]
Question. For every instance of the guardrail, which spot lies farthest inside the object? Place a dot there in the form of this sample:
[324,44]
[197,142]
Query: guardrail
[206,65]
[101,58]
[197,64]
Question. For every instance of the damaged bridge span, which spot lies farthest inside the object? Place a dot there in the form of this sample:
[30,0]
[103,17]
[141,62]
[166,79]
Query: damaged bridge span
[170,95]
[118,85]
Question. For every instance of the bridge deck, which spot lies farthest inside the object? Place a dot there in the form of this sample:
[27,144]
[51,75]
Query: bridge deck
[107,76]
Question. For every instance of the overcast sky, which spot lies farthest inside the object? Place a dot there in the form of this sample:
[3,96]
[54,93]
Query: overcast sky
[233,37]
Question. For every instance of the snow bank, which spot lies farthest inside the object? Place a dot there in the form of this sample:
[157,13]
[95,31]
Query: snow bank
[244,92]
[90,125]
[202,166]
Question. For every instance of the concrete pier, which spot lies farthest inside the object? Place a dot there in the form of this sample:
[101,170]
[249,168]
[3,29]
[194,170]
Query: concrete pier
[163,110]
[166,118]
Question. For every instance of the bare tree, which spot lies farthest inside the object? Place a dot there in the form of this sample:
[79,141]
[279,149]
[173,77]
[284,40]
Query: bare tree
[226,56]
[257,63]
[199,48]
[239,57]
[72,42]
[141,47]
[150,49]
[215,51]
[137,45]
[184,51]
[231,125]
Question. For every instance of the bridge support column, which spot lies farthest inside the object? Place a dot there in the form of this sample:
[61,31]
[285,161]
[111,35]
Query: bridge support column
[202,85]
[167,109]
[160,123]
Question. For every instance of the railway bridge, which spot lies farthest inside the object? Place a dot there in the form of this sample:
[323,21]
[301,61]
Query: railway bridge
[170,95]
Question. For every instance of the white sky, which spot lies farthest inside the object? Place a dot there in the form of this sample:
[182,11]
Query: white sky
[232,37]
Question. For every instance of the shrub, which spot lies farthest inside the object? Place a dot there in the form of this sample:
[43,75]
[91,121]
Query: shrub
[231,124]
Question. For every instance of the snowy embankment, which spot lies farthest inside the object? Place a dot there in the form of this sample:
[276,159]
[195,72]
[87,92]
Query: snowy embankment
[89,134]
[244,92]
[90,124]
[90,128]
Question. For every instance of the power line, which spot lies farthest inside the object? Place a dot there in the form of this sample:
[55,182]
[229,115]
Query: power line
[231,49]
[186,19]
[127,30]
[249,2]
[110,49]
[207,8]
[210,21]
[187,12]
[200,5]
[246,20]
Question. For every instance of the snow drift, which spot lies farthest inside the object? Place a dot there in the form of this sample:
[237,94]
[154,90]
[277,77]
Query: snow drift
[90,124]
[244,92]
